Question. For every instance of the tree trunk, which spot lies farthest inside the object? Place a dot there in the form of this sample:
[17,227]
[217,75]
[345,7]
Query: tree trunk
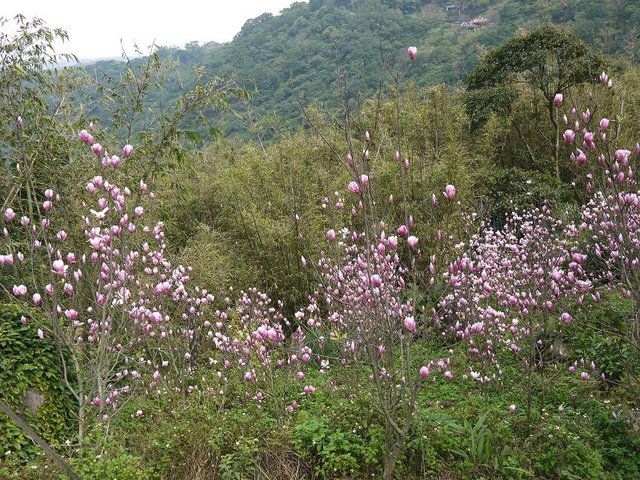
[393,448]
[38,440]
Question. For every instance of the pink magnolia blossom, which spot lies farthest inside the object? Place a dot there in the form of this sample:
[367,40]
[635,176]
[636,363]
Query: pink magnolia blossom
[449,192]
[96,148]
[410,324]
[19,290]
[604,123]
[569,136]
[558,99]
[127,150]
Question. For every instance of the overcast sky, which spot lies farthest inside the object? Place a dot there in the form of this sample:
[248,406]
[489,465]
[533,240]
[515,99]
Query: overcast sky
[96,28]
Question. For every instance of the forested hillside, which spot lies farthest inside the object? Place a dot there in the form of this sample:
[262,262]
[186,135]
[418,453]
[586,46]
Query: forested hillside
[325,50]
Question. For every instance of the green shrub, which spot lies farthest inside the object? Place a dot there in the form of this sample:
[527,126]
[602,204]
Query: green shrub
[29,363]
[335,451]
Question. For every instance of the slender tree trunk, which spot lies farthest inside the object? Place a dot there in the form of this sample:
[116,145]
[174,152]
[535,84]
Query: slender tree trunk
[392,454]
[38,440]
[557,151]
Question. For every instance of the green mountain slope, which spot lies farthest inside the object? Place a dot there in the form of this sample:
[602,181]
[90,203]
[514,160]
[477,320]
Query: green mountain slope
[327,50]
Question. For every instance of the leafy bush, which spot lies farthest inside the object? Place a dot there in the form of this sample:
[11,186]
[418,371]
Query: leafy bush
[336,451]
[561,447]
[28,363]
[600,336]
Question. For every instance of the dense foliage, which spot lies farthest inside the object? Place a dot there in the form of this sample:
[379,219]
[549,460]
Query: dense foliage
[329,51]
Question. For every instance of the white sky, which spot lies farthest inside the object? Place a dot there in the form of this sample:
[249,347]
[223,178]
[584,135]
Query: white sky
[96,28]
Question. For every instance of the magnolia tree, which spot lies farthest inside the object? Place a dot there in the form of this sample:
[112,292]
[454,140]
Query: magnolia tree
[250,335]
[510,288]
[370,316]
[365,307]
[611,216]
[120,314]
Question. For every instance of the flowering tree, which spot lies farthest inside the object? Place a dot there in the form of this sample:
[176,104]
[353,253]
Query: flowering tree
[250,334]
[370,316]
[610,218]
[120,314]
[365,302]
[509,289]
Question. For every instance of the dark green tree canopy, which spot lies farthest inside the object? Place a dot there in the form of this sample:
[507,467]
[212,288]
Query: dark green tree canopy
[548,58]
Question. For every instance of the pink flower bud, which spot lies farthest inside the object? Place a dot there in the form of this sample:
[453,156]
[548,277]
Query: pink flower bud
[569,136]
[350,161]
[512,408]
[566,318]
[558,99]
[604,123]
[424,372]
[622,156]
[412,53]
[449,191]
[412,241]
[9,214]
[331,235]
[410,324]
[96,148]
[354,187]
[604,78]
[127,150]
